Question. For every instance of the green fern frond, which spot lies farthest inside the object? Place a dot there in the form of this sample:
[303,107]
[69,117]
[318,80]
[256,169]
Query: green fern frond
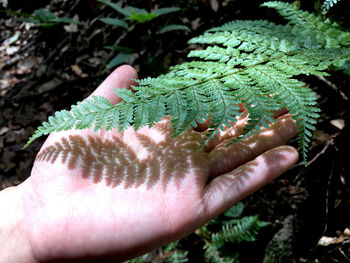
[250,62]
[236,230]
[212,254]
[325,31]
[175,255]
[245,229]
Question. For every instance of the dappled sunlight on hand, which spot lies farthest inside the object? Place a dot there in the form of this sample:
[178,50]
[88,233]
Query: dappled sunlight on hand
[228,158]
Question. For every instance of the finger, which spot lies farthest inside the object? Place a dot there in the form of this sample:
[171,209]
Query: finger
[226,190]
[120,78]
[223,159]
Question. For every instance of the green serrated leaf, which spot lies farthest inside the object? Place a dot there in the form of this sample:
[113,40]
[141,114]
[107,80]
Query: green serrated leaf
[235,211]
[142,17]
[115,22]
[126,95]
[119,59]
[165,10]
[115,7]
[173,27]
[44,14]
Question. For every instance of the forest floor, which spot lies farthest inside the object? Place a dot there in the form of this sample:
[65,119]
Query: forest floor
[45,69]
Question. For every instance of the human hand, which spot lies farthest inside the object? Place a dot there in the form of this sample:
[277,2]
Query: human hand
[112,196]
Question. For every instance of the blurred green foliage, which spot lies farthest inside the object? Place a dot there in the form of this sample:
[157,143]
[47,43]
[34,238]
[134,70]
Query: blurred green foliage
[130,17]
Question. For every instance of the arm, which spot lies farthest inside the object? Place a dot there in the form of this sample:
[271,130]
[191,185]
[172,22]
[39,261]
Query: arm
[14,244]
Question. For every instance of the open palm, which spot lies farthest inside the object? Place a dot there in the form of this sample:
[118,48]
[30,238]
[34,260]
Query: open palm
[112,196]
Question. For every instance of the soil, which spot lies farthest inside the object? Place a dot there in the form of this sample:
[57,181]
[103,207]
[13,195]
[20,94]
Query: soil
[48,69]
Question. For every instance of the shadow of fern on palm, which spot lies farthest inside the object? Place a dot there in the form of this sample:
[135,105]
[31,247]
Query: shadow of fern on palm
[116,163]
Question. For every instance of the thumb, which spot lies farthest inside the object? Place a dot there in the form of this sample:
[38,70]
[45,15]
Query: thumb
[120,78]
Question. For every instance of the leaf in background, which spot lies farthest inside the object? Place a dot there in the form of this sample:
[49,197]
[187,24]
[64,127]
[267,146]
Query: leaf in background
[115,7]
[139,14]
[142,17]
[115,22]
[45,14]
[235,211]
[173,27]
[66,20]
[119,59]
[120,49]
[134,10]
[346,68]
[28,20]
[37,22]
[165,10]
[45,18]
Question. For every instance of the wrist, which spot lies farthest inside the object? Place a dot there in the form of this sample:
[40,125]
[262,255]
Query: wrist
[14,243]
